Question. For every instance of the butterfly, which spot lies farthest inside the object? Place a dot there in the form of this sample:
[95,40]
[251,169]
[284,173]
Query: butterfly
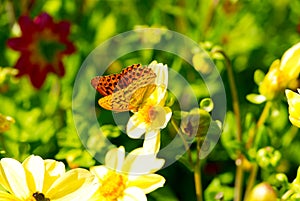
[126,90]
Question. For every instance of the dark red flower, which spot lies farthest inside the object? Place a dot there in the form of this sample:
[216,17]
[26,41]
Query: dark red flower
[42,45]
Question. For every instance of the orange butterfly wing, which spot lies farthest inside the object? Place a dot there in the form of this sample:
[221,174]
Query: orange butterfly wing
[124,91]
[105,85]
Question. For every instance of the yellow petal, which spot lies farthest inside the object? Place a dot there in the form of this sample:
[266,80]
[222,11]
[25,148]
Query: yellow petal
[53,170]
[7,197]
[115,158]
[133,194]
[34,169]
[294,107]
[13,178]
[76,184]
[294,121]
[272,82]
[147,183]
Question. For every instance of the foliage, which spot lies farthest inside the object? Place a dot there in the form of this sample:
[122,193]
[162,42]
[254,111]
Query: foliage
[254,45]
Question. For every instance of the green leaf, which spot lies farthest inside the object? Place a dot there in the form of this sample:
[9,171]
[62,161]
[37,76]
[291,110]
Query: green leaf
[256,98]
[259,76]
[217,186]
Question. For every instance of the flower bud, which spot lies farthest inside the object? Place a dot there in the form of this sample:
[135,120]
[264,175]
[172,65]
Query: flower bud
[5,122]
[196,122]
[268,157]
[262,192]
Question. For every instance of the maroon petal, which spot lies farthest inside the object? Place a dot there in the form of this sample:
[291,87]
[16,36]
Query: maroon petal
[19,44]
[62,29]
[60,69]
[70,48]
[23,64]
[38,76]
[43,20]
[26,25]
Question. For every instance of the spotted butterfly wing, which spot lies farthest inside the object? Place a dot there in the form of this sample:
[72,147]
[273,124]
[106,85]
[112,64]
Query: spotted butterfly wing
[121,101]
[125,91]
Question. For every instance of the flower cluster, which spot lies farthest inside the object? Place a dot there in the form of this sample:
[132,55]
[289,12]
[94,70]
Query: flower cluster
[121,178]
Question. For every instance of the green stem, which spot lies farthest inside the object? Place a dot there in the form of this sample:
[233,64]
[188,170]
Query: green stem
[197,167]
[11,12]
[236,109]
[197,174]
[287,195]
[251,180]
[252,133]
[264,115]
[187,148]
[210,15]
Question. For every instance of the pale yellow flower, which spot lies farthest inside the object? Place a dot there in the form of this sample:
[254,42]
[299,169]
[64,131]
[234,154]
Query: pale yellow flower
[45,180]
[294,106]
[290,62]
[127,178]
[152,115]
[282,74]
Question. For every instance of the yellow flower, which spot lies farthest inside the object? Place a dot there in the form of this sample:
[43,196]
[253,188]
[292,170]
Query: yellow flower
[127,178]
[44,180]
[294,106]
[152,115]
[282,74]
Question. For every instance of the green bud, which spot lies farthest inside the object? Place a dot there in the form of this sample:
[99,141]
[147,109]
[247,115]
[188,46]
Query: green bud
[196,122]
[268,157]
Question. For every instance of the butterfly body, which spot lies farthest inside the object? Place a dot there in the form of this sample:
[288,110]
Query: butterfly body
[126,90]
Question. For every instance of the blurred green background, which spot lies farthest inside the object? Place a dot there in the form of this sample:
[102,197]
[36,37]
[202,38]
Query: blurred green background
[253,33]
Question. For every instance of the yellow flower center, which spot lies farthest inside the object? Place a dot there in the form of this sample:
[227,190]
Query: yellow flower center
[145,114]
[37,197]
[113,186]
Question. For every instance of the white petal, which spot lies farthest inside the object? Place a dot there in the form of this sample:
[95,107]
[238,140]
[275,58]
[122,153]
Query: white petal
[133,194]
[158,95]
[135,129]
[114,158]
[13,171]
[151,143]
[139,162]
[34,167]
[168,116]
[100,171]
[161,72]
